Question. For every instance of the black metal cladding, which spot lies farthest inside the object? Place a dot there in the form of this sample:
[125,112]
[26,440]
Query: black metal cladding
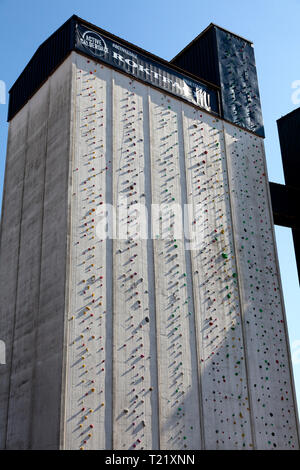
[285,205]
[47,57]
[289,132]
[227,61]
[285,200]
[201,57]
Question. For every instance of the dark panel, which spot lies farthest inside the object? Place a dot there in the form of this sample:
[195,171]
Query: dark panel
[239,85]
[228,61]
[46,59]
[285,205]
[289,132]
[132,60]
[200,57]
[296,237]
[216,56]
[102,48]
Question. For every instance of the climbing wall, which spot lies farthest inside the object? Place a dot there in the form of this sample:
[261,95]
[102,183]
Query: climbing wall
[89,361]
[135,411]
[177,356]
[176,336]
[238,80]
[270,386]
[33,266]
[225,401]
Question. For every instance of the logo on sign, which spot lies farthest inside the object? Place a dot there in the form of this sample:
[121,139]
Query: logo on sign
[144,68]
[202,98]
[196,94]
[94,42]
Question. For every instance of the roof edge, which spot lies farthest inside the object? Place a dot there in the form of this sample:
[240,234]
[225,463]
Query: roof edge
[210,26]
[130,45]
[289,114]
[40,47]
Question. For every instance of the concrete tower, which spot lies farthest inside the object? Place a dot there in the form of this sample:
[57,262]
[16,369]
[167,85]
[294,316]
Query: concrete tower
[140,340]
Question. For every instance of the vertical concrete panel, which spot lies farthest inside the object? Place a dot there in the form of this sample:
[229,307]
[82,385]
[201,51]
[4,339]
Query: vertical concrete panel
[269,378]
[89,318]
[50,324]
[135,376]
[27,294]
[178,374]
[9,251]
[226,412]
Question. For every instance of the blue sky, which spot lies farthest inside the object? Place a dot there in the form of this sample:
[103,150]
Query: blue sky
[164,28]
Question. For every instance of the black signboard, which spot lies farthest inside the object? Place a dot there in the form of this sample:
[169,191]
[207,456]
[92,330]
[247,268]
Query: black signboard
[101,47]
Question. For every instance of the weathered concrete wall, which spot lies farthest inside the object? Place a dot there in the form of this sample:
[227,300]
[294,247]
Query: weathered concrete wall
[268,358]
[33,266]
[10,239]
[163,342]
